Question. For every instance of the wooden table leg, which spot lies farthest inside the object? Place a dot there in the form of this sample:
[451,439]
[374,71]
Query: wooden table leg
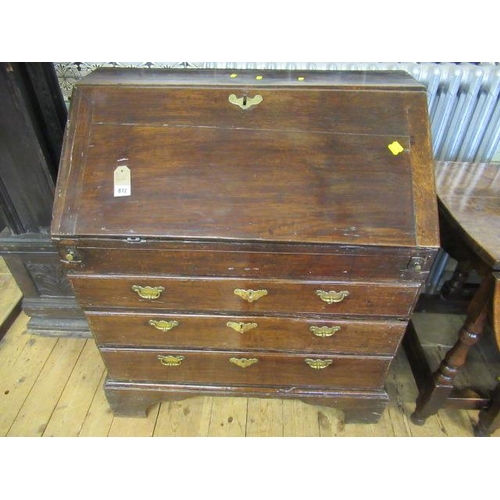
[489,418]
[434,395]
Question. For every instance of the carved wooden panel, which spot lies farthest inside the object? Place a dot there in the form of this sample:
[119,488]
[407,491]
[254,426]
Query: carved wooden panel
[49,279]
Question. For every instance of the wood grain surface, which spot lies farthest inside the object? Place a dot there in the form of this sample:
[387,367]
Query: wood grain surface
[216,369]
[290,184]
[470,200]
[211,294]
[277,334]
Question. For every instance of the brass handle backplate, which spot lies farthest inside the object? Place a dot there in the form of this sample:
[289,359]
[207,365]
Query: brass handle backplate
[241,327]
[324,331]
[250,295]
[331,297]
[245,102]
[243,362]
[163,325]
[171,360]
[148,292]
[318,364]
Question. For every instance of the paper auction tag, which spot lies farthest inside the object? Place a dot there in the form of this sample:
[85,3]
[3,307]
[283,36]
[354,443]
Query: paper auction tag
[122,181]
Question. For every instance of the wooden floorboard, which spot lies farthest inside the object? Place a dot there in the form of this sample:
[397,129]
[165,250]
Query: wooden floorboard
[39,405]
[54,387]
[187,418]
[228,417]
[265,418]
[135,427]
[10,299]
[20,373]
[99,417]
[73,406]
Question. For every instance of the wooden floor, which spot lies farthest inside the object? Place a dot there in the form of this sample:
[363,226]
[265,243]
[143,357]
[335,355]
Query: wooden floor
[53,387]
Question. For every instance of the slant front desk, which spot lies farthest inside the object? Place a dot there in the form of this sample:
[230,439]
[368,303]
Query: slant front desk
[251,233]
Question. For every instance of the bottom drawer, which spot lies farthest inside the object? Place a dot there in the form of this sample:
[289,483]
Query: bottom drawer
[244,368]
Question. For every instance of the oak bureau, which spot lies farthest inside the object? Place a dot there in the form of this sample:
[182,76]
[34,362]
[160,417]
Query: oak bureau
[247,233]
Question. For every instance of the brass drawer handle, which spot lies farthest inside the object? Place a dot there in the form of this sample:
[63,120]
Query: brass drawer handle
[148,292]
[241,327]
[171,360]
[245,102]
[250,295]
[163,325]
[324,331]
[243,362]
[331,297]
[318,364]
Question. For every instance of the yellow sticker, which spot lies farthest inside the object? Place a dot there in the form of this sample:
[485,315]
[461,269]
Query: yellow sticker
[395,148]
[259,77]
[233,75]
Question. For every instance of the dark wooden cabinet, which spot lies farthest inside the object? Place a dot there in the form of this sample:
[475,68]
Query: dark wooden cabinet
[32,122]
[260,234]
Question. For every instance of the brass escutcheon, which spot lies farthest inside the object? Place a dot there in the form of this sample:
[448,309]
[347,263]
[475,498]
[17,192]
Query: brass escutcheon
[148,292]
[324,331]
[250,295]
[163,325]
[171,360]
[241,327]
[318,364]
[331,297]
[245,102]
[243,362]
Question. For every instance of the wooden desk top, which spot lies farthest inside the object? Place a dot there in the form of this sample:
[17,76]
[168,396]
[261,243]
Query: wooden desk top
[469,193]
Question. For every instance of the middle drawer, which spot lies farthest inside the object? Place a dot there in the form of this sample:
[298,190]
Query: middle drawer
[245,296]
[245,332]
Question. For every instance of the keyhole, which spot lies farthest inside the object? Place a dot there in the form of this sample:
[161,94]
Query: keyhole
[244,100]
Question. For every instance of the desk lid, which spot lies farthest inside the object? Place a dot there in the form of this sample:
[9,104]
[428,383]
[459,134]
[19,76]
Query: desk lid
[309,157]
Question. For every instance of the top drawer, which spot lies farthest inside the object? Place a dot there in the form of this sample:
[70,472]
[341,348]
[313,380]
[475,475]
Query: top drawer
[139,257]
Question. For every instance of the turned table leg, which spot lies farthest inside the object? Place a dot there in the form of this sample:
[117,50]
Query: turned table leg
[489,418]
[434,395]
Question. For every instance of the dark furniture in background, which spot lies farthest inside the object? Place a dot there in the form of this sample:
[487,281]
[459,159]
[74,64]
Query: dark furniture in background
[32,120]
[469,214]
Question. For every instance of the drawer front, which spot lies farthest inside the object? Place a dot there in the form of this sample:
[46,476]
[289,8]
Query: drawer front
[246,333]
[245,296]
[245,368]
[309,265]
